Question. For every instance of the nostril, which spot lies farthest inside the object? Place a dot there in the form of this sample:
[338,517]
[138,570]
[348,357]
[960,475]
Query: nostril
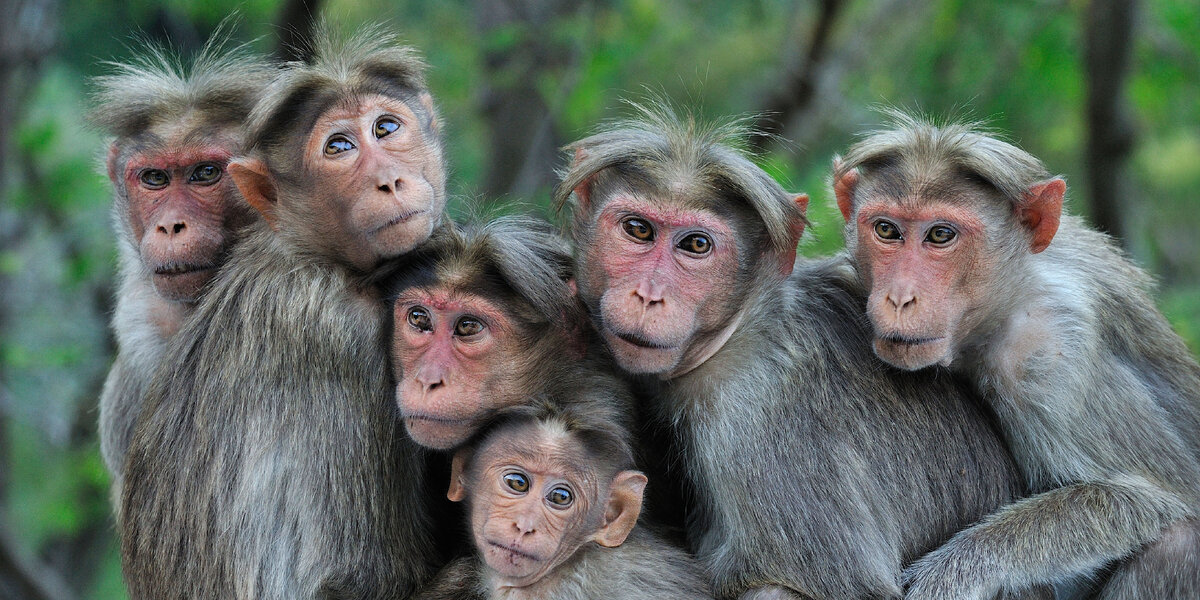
[435,385]
[179,227]
[385,188]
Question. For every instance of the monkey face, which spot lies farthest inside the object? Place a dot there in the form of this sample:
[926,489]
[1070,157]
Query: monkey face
[657,277]
[459,357]
[181,208]
[532,503]
[379,176]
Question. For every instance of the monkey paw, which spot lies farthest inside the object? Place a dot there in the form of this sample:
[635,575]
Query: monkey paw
[941,575]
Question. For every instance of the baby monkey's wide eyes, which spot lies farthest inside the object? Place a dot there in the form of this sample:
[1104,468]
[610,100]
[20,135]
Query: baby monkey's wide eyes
[516,482]
[560,497]
[419,317]
[385,126]
[337,145]
[886,230]
[638,229]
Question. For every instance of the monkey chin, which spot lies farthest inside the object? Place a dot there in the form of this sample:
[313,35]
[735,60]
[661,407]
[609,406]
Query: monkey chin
[402,234]
[912,353]
[182,283]
[638,356]
[436,433]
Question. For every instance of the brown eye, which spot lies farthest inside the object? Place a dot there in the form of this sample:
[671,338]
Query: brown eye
[154,179]
[419,317]
[886,230]
[940,234]
[385,126]
[560,497]
[639,229]
[516,482]
[696,243]
[337,145]
[205,174]
[468,326]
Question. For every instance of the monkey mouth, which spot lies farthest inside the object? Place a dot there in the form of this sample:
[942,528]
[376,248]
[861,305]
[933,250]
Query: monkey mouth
[641,342]
[173,269]
[403,217]
[512,551]
[903,340]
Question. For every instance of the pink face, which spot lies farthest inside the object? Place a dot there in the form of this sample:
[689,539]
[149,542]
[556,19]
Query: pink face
[530,515]
[925,266]
[662,275]
[459,359]
[380,175]
[182,211]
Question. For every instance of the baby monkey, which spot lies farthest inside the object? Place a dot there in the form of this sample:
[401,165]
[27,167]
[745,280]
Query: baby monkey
[553,501]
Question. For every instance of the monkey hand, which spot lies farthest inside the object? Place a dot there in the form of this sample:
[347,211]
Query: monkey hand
[948,572]
[771,592]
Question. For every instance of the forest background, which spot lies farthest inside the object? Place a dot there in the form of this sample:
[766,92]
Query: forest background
[1105,92]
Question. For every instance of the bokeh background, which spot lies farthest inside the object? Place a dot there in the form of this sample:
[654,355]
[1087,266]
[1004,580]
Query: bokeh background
[1107,92]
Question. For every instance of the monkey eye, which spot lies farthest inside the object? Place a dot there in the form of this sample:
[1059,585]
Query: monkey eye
[639,229]
[385,126]
[696,243]
[886,230]
[516,482]
[940,234]
[468,326]
[155,179]
[560,497]
[205,174]
[338,144]
[419,317]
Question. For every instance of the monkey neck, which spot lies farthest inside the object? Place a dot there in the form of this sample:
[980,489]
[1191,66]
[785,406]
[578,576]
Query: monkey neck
[703,350]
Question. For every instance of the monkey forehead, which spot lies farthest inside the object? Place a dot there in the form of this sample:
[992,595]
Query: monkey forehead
[965,217]
[450,299]
[169,157]
[348,110]
[672,213]
[544,448]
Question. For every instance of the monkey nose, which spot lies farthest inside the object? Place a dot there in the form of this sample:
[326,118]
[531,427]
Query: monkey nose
[900,301]
[649,292]
[171,228]
[391,186]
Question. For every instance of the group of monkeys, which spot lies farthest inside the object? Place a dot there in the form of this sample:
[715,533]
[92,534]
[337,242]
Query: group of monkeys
[976,399]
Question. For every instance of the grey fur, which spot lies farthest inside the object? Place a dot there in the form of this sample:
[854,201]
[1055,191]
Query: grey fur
[269,462]
[1102,415]
[817,471]
[218,89]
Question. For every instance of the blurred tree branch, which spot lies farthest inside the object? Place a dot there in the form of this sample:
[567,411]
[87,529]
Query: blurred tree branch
[800,86]
[1108,44]
[20,579]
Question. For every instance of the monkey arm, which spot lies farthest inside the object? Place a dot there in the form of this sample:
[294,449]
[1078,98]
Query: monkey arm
[1049,537]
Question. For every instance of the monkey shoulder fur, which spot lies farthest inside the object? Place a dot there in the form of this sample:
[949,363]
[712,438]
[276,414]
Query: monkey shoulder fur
[817,471]
[269,463]
[1098,398]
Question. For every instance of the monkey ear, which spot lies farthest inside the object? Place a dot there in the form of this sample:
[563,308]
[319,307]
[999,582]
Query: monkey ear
[458,466]
[1040,211]
[254,181]
[843,188]
[624,507]
[787,258]
[110,162]
[426,100]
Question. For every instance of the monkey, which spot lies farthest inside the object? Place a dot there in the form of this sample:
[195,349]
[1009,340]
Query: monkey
[483,318]
[269,462]
[759,366]
[971,263]
[175,212]
[553,498]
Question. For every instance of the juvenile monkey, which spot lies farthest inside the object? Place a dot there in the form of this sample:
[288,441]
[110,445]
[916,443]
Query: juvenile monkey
[970,262]
[175,209]
[553,500]
[268,462]
[816,471]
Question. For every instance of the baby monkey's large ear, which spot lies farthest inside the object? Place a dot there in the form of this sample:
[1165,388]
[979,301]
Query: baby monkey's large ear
[458,475]
[624,506]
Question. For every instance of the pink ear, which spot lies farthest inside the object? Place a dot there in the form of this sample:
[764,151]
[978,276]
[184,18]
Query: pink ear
[787,258]
[111,162]
[843,188]
[1040,211]
[458,466]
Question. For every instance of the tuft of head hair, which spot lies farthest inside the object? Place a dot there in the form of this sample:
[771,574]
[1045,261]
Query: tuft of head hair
[526,254]
[158,85]
[662,145]
[924,148]
[370,61]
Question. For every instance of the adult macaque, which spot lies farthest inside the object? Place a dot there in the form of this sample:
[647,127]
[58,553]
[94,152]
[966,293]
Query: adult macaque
[971,264]
[175,210]
[269,462]
[553,502]
[817,472]
[483,318]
